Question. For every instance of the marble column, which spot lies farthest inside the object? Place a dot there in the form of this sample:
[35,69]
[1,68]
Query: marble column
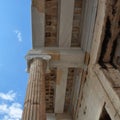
[34,106]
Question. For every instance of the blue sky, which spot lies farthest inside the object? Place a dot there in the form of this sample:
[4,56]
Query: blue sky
[15,41]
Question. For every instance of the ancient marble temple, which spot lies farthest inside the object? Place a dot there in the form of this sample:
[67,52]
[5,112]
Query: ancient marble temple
[74,63]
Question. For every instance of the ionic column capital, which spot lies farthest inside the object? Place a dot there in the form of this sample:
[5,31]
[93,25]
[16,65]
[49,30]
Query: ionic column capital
[31,57]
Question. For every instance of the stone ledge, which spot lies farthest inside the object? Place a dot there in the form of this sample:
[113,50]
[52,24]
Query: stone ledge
[63,116]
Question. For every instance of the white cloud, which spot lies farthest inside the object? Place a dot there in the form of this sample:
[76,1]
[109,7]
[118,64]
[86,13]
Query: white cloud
[11,112]
[9,108]
[10,96]
[19,35]
[3,108]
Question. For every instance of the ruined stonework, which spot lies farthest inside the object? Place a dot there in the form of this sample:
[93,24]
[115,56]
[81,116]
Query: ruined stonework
[77,42]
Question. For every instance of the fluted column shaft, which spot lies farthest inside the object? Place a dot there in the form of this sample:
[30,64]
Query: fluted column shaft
[34,107]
